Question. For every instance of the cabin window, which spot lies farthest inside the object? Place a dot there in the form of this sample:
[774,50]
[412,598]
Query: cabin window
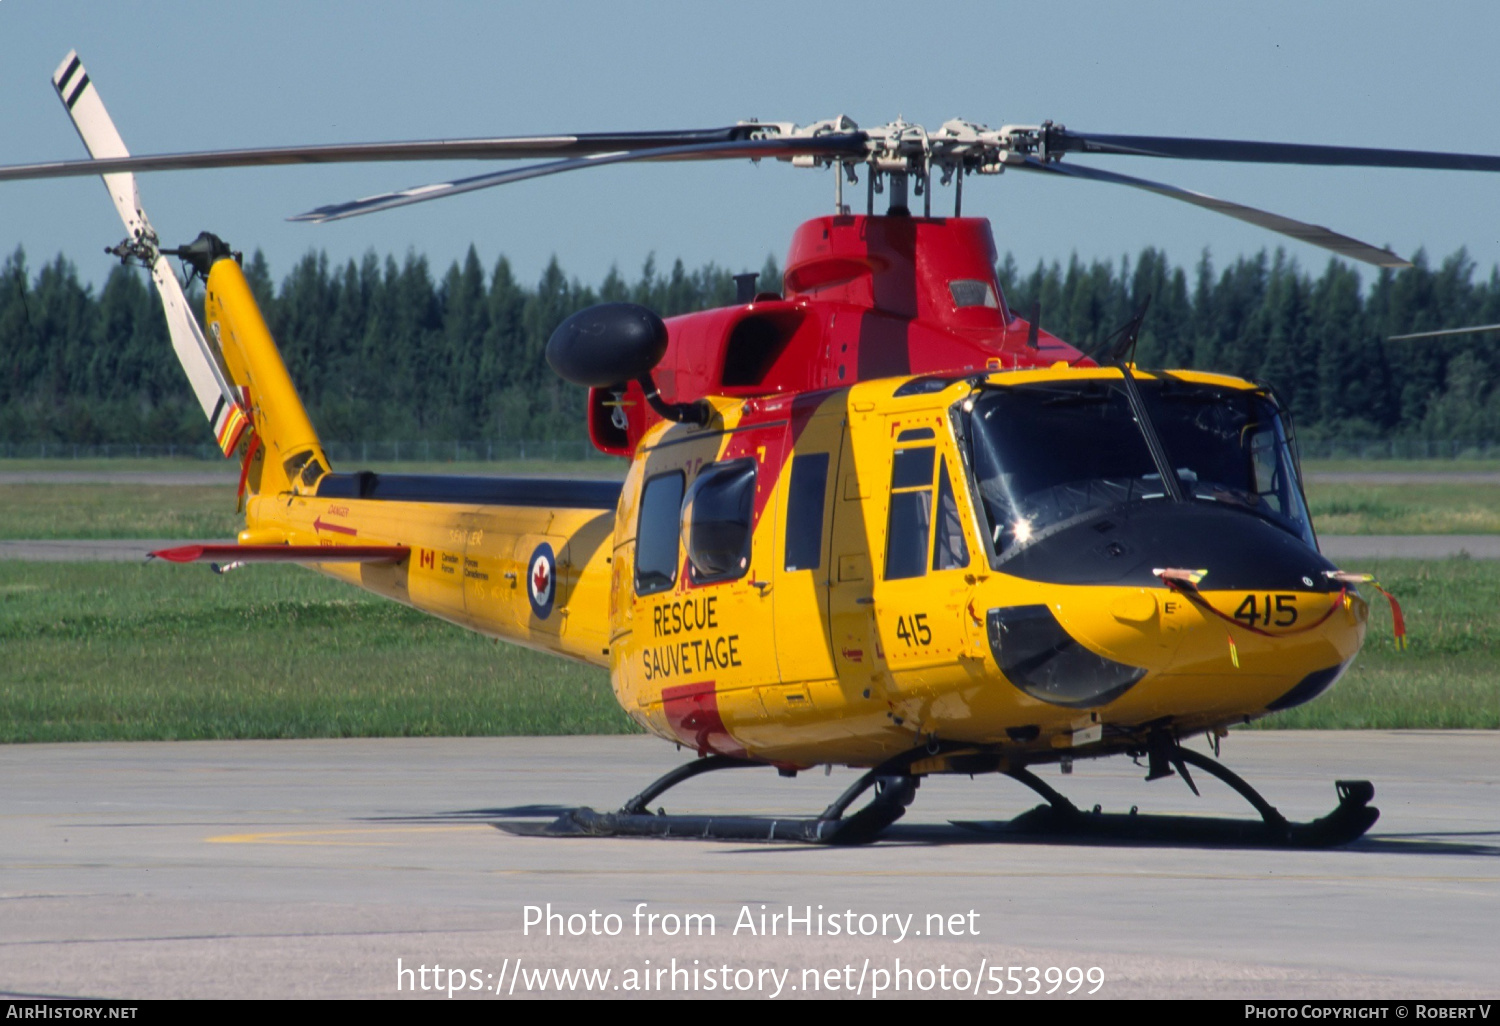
[973,292]
[717,519]
[804,511]
[949,551]
[656,534]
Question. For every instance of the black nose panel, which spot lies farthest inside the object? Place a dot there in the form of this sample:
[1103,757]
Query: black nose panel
[1043,660]
[1310,687]
[1121,546]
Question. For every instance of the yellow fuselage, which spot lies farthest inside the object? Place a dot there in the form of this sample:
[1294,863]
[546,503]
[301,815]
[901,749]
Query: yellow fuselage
[814,647]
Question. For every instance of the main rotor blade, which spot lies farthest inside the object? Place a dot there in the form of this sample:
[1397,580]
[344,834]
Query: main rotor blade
[1317,235]
[1247,151]
[827,145]
[539,147]
[1444,333]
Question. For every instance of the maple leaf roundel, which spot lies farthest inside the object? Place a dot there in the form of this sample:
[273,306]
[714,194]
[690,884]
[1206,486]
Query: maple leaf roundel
[541,580]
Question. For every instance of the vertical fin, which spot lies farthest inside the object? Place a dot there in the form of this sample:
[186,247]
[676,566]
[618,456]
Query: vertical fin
[221,403]
[292,457]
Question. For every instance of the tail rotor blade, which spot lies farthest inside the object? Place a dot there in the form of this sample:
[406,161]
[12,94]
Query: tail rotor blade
[221,403]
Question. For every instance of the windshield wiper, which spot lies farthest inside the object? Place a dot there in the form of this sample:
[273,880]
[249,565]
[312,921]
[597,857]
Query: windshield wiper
[1148,431]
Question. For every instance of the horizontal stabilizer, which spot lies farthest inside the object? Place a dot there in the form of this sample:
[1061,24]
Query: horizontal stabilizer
[284,553]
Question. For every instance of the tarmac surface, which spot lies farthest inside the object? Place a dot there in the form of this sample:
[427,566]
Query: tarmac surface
[1409,546]
[95,550]
[328,868]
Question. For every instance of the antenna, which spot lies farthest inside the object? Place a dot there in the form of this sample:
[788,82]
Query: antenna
[744,286]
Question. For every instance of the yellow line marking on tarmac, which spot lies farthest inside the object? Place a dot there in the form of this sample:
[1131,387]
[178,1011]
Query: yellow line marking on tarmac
[291,836]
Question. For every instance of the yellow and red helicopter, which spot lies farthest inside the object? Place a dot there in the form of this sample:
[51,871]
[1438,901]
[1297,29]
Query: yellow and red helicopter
[877,519]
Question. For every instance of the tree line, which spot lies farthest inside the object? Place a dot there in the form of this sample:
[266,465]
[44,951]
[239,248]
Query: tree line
[1321,342]
[386,350]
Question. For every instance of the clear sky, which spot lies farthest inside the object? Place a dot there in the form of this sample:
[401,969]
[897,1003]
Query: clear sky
[186,76]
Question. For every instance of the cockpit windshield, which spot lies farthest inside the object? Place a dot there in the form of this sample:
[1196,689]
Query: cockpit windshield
[1050,454]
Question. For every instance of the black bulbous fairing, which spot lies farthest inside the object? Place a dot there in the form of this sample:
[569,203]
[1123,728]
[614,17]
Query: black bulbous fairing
[607,345]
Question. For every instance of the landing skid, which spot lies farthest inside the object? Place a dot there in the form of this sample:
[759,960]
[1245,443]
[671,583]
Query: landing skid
[895,786]
[894,790]
[1061,819]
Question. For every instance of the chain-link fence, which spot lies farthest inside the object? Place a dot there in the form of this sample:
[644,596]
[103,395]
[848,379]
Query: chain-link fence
[556,450]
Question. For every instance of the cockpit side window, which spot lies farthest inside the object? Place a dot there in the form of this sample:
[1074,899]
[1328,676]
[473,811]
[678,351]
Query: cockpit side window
[949,550]
[909,525]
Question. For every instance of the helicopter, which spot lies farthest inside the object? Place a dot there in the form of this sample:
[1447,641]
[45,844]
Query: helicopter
[877,519]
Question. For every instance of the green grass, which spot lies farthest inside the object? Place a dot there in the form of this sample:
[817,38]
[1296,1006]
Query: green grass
[104,651]
[188,512]
[193,512]
[1446,678]
[108,651]
[1429,466]
[1462,508]
[111,651]
[123,465]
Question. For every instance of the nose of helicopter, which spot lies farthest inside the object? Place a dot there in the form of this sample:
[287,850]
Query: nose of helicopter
[1183,606]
